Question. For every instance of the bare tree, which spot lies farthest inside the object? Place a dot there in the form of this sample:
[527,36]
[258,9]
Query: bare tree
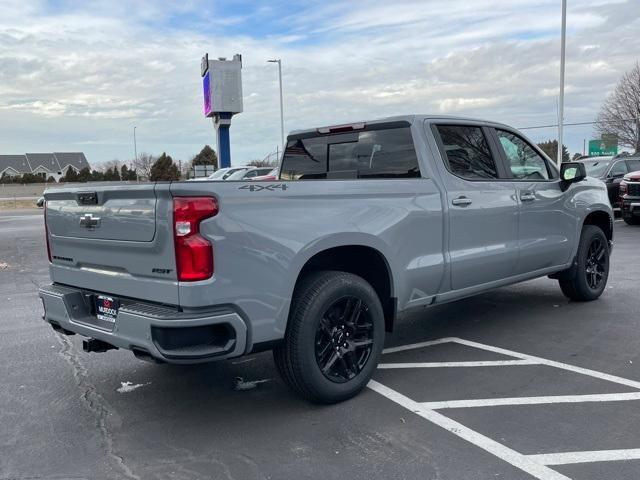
[109,164]
[260,163]
[143,165]
[620,113]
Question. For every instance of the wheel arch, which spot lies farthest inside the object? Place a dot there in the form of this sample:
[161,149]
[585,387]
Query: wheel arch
[359,259]
[601,219]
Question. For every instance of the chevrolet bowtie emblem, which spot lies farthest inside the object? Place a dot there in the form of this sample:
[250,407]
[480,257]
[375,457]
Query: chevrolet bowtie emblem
[89,221]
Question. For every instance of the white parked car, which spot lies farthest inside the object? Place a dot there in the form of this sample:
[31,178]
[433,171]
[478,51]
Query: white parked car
[220,174]
[249,174]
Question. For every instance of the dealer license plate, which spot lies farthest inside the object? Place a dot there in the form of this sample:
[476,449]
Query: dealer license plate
[107,308]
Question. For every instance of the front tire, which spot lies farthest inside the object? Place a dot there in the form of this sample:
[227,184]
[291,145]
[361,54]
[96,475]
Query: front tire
[631,220]
[334,337]
[587,278]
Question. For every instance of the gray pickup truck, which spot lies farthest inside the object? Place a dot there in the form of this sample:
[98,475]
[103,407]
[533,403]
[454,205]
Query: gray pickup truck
[365,220]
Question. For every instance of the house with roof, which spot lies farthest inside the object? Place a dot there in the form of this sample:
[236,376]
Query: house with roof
[14,165]
[55,164]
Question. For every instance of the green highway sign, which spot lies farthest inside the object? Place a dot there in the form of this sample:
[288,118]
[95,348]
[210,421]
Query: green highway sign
[607,145]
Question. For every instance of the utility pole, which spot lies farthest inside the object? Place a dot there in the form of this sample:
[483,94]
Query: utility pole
[135,146]
[135,152]
[279,62]
[638,134]
[562,56]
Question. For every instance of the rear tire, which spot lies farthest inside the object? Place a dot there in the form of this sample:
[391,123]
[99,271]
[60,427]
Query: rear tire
[334,337]
[587,278]
[632,220]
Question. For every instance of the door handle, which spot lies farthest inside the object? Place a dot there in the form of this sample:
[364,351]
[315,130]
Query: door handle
[461,202]
[527,196]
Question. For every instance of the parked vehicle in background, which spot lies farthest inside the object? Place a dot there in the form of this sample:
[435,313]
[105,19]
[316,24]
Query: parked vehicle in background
[611,170]
[271,175]
[630,198]
[248,174]
[220,174]
[373,219]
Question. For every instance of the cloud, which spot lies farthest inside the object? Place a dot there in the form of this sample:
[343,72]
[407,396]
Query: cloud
[83,74]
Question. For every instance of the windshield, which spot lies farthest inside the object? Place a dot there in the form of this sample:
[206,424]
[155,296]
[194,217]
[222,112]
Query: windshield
[218,173]
[237,175]
[596,169]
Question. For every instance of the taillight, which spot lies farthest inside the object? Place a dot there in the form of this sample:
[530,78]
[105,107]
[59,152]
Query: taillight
[194,253]
[46,232]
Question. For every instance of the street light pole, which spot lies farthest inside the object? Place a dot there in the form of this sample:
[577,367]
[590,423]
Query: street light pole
[135,146]
[279,62]
[135,152]
[561,99]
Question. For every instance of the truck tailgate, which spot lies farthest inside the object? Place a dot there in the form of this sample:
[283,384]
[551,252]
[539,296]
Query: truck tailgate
[113,239]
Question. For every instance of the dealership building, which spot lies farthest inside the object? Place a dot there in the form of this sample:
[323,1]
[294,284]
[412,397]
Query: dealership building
[54,165]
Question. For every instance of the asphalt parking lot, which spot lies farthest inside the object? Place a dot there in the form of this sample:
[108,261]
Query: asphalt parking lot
[515,384]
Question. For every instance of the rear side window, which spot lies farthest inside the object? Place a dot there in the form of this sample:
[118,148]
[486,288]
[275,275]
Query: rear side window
[386,153]
[467,152]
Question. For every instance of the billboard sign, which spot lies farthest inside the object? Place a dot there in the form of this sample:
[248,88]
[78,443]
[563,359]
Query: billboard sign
[607,145]
[206,90]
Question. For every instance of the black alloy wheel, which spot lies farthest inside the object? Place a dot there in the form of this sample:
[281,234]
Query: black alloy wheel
[344,339]
[587,279]
[334,338]
[596,263]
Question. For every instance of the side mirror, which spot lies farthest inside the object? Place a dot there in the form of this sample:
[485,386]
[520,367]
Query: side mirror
[571,172]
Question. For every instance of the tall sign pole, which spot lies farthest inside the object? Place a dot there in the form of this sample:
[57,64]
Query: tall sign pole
[222,89]
[561,100]
[279,62]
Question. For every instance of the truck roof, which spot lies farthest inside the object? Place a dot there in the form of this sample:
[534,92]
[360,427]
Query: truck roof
[404,118]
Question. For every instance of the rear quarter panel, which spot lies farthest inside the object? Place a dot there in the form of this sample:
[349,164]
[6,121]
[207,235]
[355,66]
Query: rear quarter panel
[262,238]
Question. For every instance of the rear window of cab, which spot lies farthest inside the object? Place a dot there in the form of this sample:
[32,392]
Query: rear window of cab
[380,153]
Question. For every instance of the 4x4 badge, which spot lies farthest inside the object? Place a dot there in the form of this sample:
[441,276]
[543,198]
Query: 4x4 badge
[271,187]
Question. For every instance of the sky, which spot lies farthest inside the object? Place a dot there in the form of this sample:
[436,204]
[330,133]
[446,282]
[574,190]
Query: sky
[79,75]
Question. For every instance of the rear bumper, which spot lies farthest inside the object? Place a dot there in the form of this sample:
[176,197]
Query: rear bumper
[163,333]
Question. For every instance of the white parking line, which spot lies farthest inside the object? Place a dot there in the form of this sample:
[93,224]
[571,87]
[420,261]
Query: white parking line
[498,402]
[535,465]
[412,346]
[510,456]
[566,458]
[551,363]
[482,363]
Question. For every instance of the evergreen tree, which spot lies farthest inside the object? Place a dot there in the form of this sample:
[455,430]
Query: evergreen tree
[71,175]
[164,169]
[84,175]
[97,176]
[207,156]
[550,147]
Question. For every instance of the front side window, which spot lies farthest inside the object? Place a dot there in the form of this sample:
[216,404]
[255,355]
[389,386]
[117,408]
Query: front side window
[385,153]
[524,161]
[467,152]
[634,165]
